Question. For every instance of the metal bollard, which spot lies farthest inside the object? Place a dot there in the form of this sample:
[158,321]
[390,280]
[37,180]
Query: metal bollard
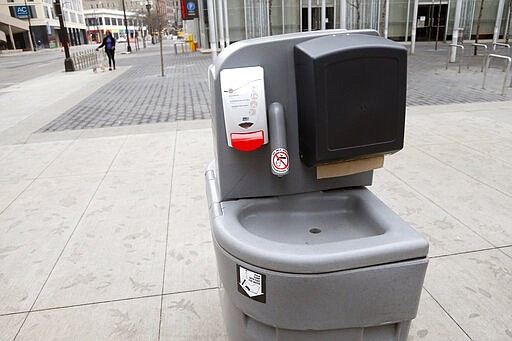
[477,45]
[461,55]
[488,61]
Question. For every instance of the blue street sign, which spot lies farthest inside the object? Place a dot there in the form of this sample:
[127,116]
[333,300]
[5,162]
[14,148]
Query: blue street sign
[189,9]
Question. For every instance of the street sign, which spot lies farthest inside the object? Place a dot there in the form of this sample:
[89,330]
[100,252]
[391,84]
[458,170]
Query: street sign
[189,9]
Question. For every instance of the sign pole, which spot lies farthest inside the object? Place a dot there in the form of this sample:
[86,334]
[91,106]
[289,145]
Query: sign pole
[68,62]
[30,35]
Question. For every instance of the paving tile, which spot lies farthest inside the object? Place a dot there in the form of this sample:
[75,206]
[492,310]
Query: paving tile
[432,323]
[146,151]
[118,249]
[135,319]
[10,190]
[191,266]
[87,156]
[195,124]
[6,150]
[445,234]
[188,217]
[481,208]
[9,326]
[483,168]
[190,258]
[34,230]
[418,137]
[463,126]
[507,250]
[55,136]
[27,161]
[194,147]
[498,149]
[192,316]
[103,132]
[474,289]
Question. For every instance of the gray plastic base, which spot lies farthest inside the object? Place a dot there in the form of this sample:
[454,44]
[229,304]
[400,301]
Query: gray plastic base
[243,328]
[373,303]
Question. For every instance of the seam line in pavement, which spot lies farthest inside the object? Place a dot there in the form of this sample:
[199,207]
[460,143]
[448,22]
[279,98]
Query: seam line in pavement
[108,301]
[447,313]
[440,207]
[465,252]
[69,238]
[466,174]
[506,254]
[38,176]
[167,233]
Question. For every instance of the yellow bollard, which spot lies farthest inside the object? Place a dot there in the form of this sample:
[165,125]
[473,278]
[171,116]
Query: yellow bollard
[190,42]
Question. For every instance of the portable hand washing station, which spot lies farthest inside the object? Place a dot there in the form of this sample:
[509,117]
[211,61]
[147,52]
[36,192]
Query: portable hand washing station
[304,250]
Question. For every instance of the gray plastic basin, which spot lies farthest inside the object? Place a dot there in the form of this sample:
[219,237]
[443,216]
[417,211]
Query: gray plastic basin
[313,232]
[310,221]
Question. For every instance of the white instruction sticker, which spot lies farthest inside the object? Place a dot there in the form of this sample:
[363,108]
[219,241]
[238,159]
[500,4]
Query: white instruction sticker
[251,284]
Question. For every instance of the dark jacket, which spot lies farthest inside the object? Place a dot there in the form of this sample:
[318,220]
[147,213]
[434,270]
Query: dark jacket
[105,43]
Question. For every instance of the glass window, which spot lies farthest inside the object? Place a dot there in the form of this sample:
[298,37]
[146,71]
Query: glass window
[46,12]
[107,21]
[100,21]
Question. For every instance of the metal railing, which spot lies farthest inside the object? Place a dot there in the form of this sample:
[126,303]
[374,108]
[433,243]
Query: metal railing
[88,59]
[503,45]
[457,46]
[476,46]
[487,63]
[183,45]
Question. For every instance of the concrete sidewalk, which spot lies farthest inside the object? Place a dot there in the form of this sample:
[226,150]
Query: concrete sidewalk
[105,232]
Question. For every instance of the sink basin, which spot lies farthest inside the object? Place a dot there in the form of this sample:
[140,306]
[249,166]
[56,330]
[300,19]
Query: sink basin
[311,219]
[314,232]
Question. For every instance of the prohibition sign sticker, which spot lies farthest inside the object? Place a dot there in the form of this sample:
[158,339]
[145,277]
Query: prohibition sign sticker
[280,161]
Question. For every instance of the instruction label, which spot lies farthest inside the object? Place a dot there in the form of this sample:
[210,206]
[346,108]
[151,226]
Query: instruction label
[251,284]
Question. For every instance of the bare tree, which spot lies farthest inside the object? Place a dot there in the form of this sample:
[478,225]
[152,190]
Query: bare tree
[270,16]
[382,20]
[357,5]
[478,25]
[509,21]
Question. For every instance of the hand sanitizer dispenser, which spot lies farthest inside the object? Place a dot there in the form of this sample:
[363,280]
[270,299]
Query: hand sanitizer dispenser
[243,100]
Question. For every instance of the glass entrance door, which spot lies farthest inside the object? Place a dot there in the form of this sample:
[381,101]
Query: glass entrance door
[316,18]
[431,17]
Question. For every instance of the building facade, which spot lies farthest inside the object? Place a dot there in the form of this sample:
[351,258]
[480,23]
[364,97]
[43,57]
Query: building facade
[44,23]
[243,19]
[100,20]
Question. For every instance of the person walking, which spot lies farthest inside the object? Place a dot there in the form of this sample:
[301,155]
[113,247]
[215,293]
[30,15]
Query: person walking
[110,48]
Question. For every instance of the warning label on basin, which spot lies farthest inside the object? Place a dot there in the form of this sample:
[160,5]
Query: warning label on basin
[251,284]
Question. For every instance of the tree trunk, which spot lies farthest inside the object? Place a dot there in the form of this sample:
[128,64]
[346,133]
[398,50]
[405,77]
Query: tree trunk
[270,16]
[382,21]
[509,21]
[478,25]
[358,9]
[357,5]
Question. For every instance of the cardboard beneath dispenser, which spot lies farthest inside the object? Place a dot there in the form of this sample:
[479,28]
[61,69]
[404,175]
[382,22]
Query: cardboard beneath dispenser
[332,170]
